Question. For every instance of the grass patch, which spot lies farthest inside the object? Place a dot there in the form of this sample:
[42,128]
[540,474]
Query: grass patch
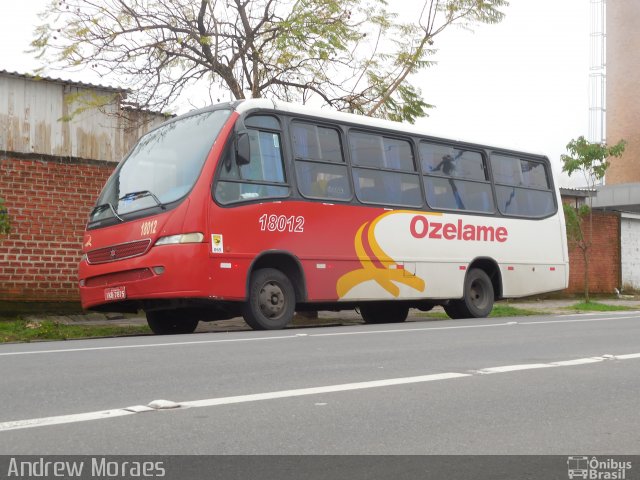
[499,310]
[28,331]
[598,307]
[19,309]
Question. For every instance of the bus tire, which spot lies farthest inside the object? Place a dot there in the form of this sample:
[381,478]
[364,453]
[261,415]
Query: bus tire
[390,312]
[477,301]
[170,322]
[271,300]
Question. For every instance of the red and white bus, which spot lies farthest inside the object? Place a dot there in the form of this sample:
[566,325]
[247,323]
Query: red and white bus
[261,208]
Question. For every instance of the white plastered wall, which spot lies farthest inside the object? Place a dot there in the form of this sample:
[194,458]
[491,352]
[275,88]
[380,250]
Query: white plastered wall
[630,250]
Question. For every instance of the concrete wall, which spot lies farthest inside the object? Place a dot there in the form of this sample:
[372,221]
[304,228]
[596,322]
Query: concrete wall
[630,245]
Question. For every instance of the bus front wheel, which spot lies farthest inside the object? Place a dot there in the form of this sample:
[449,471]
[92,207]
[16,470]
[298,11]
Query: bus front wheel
[170,322]
[477,301]
[271,300]
[384,312]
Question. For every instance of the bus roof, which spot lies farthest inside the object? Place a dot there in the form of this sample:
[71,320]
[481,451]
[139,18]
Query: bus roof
[247,105]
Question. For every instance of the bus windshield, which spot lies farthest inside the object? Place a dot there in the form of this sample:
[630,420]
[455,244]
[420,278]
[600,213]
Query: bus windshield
[161,168]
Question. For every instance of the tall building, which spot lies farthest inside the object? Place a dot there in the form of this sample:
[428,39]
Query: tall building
[623,88]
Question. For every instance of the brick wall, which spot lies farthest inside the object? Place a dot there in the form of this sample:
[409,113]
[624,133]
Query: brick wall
[604,264]
[48,201]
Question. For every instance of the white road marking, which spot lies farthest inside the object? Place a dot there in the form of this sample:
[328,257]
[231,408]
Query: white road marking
[211,402]
[514,368]
[628,356]
[148,345]
[119,412]
[402,330]
[307,335]
[579,361]
[578,320]
[62,419]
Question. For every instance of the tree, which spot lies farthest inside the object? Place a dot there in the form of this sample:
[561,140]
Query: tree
[590,159]
[353,55]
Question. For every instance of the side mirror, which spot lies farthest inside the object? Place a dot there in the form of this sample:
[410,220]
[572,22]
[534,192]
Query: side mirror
[243,148]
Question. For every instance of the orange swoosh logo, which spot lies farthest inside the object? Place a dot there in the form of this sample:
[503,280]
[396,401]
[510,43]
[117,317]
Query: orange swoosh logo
[385,271]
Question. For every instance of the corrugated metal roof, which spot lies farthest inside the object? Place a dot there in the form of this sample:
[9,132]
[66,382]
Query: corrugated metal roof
[63,81]
[32,115]
[578,191]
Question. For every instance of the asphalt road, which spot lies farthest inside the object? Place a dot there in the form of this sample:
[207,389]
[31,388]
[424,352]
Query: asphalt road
[528,385]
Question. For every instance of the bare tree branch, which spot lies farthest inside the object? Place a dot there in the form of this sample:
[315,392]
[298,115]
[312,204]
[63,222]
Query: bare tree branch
[351,54]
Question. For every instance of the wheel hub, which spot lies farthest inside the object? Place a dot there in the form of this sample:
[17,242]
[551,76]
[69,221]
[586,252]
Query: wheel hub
[478,295]
[272,300]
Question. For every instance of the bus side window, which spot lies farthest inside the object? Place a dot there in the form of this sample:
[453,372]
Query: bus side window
[455,179]
[320,180]
[264,175]
[522,186]
[321,171]
[383,170]
[367,150]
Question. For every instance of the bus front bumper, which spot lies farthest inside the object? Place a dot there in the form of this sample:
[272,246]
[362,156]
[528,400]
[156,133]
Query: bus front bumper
[164,272]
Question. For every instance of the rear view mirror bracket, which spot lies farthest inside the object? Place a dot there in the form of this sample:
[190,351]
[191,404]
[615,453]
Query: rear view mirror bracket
[242,144]
[243,148]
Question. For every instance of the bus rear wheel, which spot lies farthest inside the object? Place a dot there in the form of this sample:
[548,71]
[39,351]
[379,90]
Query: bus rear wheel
[477,301]
[271,300]
[170,322]
[390,312]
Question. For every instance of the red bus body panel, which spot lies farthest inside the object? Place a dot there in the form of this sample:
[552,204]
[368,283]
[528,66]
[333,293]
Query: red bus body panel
[185,273]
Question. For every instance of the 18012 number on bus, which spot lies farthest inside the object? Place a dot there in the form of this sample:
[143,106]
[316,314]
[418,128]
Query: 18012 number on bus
[281,223]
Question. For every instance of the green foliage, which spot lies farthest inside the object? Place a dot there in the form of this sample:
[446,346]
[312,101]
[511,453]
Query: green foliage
[86,100]
[31,330]
[499,310]
[599,307]
[590,158]
[354,55]
[5,224]
[574,218]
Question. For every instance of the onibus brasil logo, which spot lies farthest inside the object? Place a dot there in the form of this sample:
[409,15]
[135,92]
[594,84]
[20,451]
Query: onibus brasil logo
[597,469]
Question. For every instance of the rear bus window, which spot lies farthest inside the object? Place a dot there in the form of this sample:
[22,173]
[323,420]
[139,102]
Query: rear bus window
[522,187]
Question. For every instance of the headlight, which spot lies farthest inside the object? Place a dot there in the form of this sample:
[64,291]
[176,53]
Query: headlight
[196,237]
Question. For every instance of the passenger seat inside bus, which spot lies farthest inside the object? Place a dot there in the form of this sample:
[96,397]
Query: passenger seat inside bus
[338,187]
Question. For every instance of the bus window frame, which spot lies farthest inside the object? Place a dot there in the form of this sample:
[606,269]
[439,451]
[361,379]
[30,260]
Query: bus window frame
[546,164]
[393,136]
[289,121]
[484,156]
[343,128]
[229,149]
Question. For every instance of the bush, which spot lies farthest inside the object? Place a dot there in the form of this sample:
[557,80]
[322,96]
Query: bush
[5,226]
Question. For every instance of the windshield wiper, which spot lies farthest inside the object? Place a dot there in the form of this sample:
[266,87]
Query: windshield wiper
[142,193]
[103,206]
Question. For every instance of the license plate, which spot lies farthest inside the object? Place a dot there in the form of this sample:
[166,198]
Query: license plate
[115,293]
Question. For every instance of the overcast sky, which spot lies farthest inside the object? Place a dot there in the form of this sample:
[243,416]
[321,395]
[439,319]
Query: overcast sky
[521,84]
